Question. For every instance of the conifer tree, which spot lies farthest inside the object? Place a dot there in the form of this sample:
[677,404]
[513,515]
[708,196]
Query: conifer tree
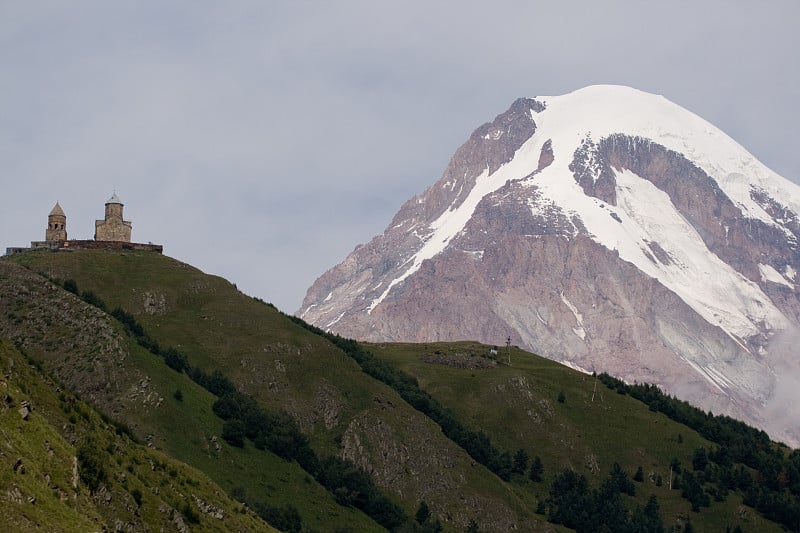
[520,462]
[423,513]
[537,469]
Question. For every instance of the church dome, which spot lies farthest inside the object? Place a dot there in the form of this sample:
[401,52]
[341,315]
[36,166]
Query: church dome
[114,200]
[57,211]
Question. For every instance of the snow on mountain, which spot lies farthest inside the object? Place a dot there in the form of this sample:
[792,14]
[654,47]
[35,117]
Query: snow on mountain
[720,294]
[694,220]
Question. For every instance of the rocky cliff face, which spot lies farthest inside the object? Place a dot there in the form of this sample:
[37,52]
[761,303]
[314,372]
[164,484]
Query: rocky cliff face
[609,229]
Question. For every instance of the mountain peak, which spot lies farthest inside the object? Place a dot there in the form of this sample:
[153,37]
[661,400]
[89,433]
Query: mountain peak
[608,228]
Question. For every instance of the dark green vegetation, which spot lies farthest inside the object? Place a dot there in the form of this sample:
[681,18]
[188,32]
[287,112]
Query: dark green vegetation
[743,459]
[319,433]
[596,425]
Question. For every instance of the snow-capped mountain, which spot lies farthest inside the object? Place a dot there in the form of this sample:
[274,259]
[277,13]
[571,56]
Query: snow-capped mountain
[609,229]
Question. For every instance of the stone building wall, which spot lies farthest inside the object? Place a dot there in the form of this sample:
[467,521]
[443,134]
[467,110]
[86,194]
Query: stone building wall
[66,246]
[110,245]
[114,229]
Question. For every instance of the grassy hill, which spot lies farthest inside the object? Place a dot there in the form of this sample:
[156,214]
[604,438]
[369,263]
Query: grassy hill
[341,410]
[67,468]
[589,430]
[566,418]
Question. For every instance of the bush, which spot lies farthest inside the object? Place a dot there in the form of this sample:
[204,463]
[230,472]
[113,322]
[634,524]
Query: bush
[190,514]
[233,432]
[423,513]
[92,299]
[91,465]
[175,360]
[71,285]
[137,497]
[285,518]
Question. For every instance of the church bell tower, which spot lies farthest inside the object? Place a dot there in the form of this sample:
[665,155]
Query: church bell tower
[56,225]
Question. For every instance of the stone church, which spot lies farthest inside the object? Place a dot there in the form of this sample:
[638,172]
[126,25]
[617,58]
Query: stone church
[113,227]
[113,232]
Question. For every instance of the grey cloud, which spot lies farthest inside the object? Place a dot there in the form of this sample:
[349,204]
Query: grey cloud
[262,141]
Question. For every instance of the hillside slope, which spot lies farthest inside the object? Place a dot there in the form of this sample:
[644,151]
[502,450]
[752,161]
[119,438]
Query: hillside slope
[352,408]
[568,419]
[65,468]
[344,412]
[90,354]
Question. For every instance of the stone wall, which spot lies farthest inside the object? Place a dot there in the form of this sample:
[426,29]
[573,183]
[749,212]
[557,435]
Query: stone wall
[112,229]
[111,245]
[66,246]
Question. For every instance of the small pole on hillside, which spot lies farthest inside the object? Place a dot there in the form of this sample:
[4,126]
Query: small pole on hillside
[508,350]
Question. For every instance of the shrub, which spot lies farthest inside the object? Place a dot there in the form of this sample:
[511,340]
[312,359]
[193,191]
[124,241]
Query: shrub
[91,465]
[137,497]
[233,432]
[190,514]
[71,285]
[423,513]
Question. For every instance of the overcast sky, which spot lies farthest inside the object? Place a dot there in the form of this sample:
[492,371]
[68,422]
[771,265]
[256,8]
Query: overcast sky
[263,140]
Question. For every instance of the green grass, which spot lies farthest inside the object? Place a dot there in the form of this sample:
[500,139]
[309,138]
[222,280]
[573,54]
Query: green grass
[344,411]
[184,429]
[49,499]
[517,406]
[284,367]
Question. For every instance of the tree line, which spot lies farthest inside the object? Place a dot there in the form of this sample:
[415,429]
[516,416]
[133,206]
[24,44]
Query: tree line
[745,459]
[573,504]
